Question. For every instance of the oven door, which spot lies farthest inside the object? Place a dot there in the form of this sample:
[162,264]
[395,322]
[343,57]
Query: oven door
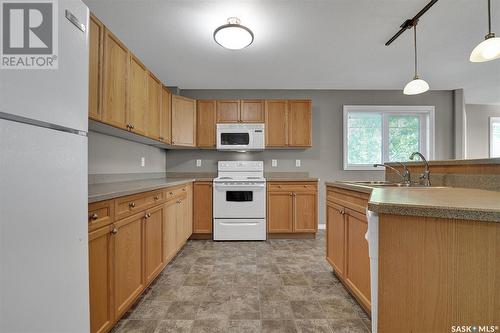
[234,139]
[239,201]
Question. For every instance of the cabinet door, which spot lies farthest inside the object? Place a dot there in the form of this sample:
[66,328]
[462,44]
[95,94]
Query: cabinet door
[205,123]
[166,116]
[100,259]
[279,212]
[299,123]
[276,123]
[202,212]
[183,121]
[153,111]
[304,212]
[96,35]
[180,217]
[115,81]
[335,237]
[357,272]
[189,210]
[153,232]
[228,111]
[170,230]
[138,91]
[128,262]
[252,111]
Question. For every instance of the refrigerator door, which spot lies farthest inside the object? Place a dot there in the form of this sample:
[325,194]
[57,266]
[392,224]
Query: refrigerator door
[58,96]
[43,230]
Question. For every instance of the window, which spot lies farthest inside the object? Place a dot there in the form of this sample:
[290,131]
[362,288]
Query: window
[377,134]
[494,136]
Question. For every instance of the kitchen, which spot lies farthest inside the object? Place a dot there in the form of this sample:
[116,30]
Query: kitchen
[165,182]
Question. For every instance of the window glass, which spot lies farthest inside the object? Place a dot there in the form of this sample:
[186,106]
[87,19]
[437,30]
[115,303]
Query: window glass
[404,136]
[364,138]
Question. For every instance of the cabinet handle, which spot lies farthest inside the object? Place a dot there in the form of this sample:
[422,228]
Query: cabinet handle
[147,215]
[157,197]
[184,190]
[295,194]
[171,193]
[179,201]
[291,194]
[94,216]
[128,126]
[279,186]
[114,231]
[305,186]
[131,126]
[131,205]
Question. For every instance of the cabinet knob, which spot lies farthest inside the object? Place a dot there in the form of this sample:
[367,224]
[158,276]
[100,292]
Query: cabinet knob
[279,186]
[131,205]
[171,193]
[131,126]
[291,194]
[295,194]
[147,215]
[305,186]
[94,216]
[179,201]
[184,190]
[114,231]
[157,197]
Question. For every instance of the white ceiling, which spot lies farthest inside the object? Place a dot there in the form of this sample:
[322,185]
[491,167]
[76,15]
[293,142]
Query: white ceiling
[336,44]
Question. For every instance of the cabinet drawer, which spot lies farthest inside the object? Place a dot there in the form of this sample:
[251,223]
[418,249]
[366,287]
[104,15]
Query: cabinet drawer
[100,214]
[293,187]
[131,204]
[174,192]
[357,201]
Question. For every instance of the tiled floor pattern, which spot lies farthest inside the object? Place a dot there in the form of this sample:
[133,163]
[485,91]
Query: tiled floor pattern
[273,286]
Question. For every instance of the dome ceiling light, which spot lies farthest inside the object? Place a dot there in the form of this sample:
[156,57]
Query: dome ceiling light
[417,85]
[233,35]
[489,48]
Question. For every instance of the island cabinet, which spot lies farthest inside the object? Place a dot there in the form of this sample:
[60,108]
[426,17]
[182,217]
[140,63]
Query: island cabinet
[288,123]
[131,240]
[183,121]
[346,246]
[292,207]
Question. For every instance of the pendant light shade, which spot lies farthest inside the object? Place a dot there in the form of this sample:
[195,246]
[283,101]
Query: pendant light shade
[489,48]
[417,85]
[233,35]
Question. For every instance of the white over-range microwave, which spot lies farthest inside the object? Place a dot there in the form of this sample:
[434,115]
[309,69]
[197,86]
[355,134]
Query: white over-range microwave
[240,137]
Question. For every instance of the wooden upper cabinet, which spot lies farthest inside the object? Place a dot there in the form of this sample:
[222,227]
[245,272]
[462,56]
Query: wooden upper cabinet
[154,108]
[202,212]
[280,212]
[335,237]
[166,115]
[276,123]
[100,282]
[205,123]
[299,123]
[252,111]
[96,35]
[138,92]
[305,210]
[183,121]
[153,241]
[115,81]
[228,111]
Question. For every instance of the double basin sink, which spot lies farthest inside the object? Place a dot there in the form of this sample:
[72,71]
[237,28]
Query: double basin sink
[385,183]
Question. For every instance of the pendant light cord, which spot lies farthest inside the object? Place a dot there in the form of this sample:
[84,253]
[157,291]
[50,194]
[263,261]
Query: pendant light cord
[415,43]
[489,17]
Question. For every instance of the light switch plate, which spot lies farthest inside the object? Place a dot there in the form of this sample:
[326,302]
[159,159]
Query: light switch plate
[274,163]
[143,161]
[297,163]
[198,163]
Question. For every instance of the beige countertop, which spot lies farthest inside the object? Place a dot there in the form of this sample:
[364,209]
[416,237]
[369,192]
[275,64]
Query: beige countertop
[440,202]
[478,161]
[105,191]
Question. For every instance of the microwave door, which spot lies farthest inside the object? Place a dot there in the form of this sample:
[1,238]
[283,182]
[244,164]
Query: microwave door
[235,140]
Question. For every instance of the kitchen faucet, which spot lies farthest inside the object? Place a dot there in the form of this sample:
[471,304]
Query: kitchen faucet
[425,178]
[405,175]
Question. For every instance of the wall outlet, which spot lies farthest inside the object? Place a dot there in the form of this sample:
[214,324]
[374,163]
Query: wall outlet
[198,163]
[274,163]
[297,163]
[143,161]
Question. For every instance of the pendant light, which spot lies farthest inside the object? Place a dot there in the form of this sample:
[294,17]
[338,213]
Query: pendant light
[417,85]
[233,35]
[489,48]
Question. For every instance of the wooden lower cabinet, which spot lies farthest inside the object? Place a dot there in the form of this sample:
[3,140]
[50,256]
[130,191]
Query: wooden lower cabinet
[126,255]
[346,246]
[202,211]
[292,207]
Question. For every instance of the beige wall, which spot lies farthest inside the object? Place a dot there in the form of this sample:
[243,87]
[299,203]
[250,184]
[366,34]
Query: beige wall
[478,127]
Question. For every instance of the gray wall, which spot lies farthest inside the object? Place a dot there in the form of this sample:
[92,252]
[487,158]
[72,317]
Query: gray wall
[111,155]
[478,128]
[324,160]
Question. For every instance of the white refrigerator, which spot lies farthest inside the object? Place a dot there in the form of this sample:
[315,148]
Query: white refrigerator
[43,188]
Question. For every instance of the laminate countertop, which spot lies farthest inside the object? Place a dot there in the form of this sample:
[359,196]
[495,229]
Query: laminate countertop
[106,191]
[440,202]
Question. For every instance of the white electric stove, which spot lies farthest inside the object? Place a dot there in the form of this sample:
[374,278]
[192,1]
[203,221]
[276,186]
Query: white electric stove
[239,199]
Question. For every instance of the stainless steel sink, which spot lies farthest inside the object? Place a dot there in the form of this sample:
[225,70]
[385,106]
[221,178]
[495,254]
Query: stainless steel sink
[384,183]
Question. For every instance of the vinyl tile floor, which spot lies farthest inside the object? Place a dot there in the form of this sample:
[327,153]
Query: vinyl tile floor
[272,286]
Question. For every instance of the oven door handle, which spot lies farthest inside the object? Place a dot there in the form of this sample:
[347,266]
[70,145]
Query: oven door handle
[238,223]
[222,186]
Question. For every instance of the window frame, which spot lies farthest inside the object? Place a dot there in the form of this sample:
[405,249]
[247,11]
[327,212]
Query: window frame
[490,141]
[425,112]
